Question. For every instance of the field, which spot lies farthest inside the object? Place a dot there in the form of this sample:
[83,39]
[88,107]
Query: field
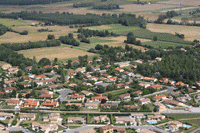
[12,22]
[61,52]
[161,44]
[34,35]
[190,32]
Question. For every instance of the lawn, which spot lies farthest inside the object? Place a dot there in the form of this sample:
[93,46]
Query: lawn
[177,117]
[60,52]
[13,22]
[141,33]
[8,107]
[161,44]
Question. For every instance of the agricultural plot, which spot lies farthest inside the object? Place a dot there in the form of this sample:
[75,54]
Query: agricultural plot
[61,52]
[162,44]
[12,22]
[190,32]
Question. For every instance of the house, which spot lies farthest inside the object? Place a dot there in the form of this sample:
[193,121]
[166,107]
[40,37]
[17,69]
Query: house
[76,96]
[119,70]
[159,97]
[111,79]
[197,96]
[26,117]
[99,59]
[96,68]
[91,105]
[5,115]
[123,64]
[86,93]
[35,125]
[138,76]
[137,92]
[13,70]
[159,106]
[90,61]
[99,98]
[49,104]
[72,72]
[144,131]
[6,66]
[88,84]
[184,98]
[145,85]
[53,87]
[14,102]
[174,125]
[8,83]
[72,85]
[46,96]
[144,101]
[124,96]
[55,118]
[132,107]
[156,116]
[93,78]
[109,105]
[138,61]
[47,66]
[158,59]
[155,87]
[106,129]
[56,67]
[31,103]
[43,91]
[76,104]
[107,76]
[49,81]
[9,89]
[137,116]
[87,130]
[108,66]
[101,118]
[181,84]
[119,85]
[177,93]
[39,77]
[125,120]
[46,128]
[172,102]
[75,120]
[82,70]
[29,68]
[24,85]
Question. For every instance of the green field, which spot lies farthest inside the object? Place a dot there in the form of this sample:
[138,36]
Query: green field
[177,117]
[161,44]
[140,33]
[98,40]
[11,22]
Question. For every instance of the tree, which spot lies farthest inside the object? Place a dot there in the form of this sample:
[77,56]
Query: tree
[19,73]
[155,38]
[25,32]
[184,20]
[169,21]
[50,37]
[20,95]
[44,62]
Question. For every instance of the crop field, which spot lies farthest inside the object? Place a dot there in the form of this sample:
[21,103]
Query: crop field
[161,44]
[34,35]
[142,33]
[61,52]
[184,2]
[12,22]
[190,32]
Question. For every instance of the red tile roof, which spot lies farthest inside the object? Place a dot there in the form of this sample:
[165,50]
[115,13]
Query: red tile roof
[49,103]
[10,88]
[31,102]
[14,101]
[40,76]
[159,97]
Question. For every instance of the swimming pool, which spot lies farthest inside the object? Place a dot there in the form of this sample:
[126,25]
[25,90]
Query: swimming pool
[2,119]
[187,126]
[170,106]
[152,121]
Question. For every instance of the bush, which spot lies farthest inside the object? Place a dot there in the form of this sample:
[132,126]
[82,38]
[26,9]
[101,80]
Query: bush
[155,38]
[25,32]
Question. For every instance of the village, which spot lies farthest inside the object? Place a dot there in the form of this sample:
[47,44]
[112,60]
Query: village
[99,101]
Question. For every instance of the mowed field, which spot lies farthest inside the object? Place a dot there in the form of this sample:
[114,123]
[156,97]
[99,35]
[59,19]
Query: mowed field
[34,35]
[190,32]
[61,52]
[184,2]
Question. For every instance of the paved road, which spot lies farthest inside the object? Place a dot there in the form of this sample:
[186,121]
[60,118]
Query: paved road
[19,129]
[64,93]
[136,127]
[195,131]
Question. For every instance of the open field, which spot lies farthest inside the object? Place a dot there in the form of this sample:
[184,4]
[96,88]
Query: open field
[190,32]
[13,22]
[161,44]
[184,2]
[139,8]
[61,52]
[34,35]
[2,63]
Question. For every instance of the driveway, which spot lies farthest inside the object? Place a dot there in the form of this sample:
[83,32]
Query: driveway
[64,93]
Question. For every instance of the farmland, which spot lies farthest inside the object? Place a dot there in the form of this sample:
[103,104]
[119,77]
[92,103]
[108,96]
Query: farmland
[161,44]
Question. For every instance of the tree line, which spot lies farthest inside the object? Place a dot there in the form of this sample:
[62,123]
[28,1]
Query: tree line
[107,7]
[31,45]
[66,18]
[69,39]
[28,2]
[3,29]
[88,4]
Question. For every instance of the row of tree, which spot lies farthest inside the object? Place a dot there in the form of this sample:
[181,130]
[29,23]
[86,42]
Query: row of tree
[88,4]
[28,2]
[107,7]
[169,14]
[3,29]
[66,18]
[31,45]
[69,40]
